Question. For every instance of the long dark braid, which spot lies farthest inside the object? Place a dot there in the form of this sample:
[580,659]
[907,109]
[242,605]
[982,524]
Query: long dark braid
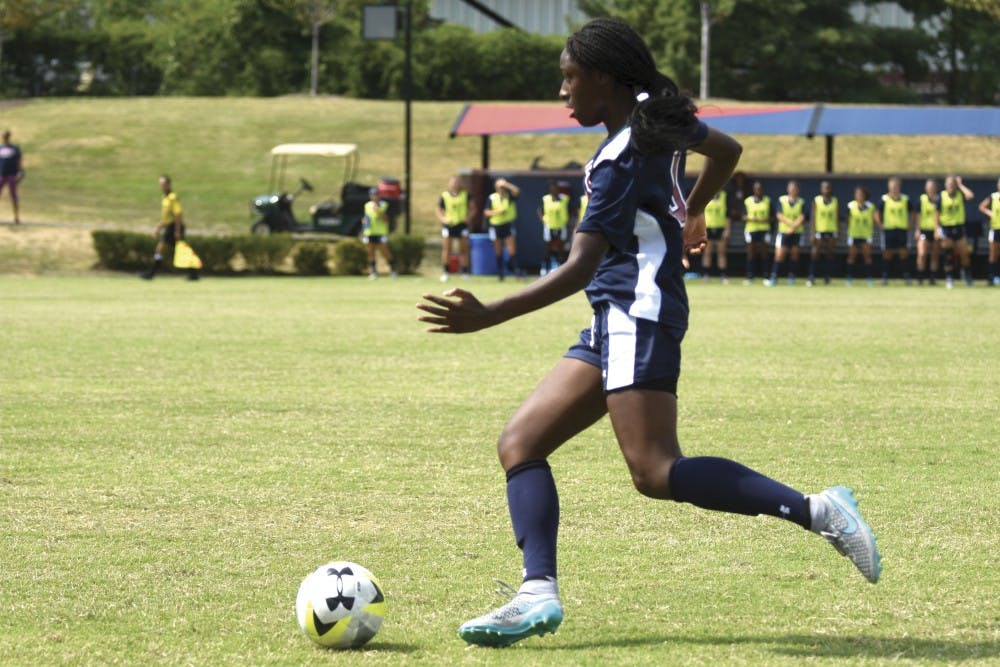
[660,124]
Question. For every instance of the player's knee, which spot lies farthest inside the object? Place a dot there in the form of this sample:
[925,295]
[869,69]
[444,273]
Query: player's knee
[513,448]
[652,478]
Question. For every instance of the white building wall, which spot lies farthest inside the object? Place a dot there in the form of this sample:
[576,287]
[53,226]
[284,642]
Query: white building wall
[544,17]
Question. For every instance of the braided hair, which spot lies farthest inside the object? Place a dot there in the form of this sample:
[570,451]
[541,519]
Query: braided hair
[663,120]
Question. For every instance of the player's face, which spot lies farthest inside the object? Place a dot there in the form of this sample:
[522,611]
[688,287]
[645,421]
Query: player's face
[826,190]
[894,187]
[584,91]
[758,190]
[930,187]
[859,195]
[164,186]
[793,190]
[949,185]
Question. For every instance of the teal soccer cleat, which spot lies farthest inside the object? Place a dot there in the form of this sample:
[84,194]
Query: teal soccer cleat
[524,616]
[838,520]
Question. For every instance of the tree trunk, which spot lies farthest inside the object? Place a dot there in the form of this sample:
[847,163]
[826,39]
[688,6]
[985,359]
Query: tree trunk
[314,68]
[705,19]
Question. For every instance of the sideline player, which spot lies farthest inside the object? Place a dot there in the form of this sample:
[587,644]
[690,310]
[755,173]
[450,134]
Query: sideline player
[896,215]
[627,252]
[928,243]
[757,229]
[718,225]
[862,217]
[990,207]
[376,232]
[169,231]
[952,229]
[826,221]
[455,212]
[554,215]
[501,212]
[792,214]
[11,172]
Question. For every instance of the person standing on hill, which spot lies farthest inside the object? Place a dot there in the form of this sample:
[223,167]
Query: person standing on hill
[11,172]
[169,231]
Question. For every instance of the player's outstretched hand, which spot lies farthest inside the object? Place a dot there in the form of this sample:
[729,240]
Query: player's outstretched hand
[461,313]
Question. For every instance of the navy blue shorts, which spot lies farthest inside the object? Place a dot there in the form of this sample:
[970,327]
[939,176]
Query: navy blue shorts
[789,240]
[826,235]
[632,353]
[715,233]
[954,232]
[857,241]
[374,238]
[500,232]
[454,231]
[894,239]
[994,235]
[927,234]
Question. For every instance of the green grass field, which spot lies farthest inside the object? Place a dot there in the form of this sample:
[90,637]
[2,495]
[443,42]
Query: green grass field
[175,458]
[96,161]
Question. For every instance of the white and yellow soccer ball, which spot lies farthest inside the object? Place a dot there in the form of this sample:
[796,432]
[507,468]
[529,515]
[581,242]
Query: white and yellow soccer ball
[340,605]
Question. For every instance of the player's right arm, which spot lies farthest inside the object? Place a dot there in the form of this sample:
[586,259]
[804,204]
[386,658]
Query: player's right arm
[461,312]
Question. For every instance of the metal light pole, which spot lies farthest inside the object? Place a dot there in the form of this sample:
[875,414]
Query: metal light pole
[408,95]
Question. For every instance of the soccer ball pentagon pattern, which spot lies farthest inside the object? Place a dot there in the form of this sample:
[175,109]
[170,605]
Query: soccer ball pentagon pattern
[340,605]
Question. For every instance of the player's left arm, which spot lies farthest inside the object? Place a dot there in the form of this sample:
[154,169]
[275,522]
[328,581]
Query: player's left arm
[984,207]
[969,194]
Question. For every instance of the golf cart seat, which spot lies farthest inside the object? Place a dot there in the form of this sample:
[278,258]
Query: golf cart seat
[328,207]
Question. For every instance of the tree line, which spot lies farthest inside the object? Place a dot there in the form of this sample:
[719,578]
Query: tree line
[794,50]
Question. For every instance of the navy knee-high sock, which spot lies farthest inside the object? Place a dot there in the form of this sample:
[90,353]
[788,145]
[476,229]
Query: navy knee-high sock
[534,512]
[727,486]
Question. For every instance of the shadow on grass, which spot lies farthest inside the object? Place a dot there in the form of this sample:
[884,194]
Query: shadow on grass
[857,646]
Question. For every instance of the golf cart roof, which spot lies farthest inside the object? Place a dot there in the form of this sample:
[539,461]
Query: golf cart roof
[322,150]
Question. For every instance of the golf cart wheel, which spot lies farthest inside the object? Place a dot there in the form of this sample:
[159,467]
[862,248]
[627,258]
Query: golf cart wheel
[260,227]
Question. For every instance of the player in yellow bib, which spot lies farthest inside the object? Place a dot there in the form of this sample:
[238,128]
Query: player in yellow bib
[862,217]
[455,211]
[792,213]
[928,225]
[825,222]
[952,217]
[990,207]
[554,214]
[718,226]
[376,232]
[897,214]
[756,229]
[501,213]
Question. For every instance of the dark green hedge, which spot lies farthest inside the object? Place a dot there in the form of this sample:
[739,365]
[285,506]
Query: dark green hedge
[254,253]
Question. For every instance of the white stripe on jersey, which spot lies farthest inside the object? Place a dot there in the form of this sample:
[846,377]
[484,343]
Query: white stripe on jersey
[621,349]
[610,152]
[650,256]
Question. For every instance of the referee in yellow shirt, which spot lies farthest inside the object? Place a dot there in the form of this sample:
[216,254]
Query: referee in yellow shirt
[169,231]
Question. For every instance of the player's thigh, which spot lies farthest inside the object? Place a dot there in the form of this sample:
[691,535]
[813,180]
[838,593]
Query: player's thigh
[568,400]
[645,423]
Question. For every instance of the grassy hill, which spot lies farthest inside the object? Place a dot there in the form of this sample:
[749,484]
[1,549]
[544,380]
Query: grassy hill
[95,161]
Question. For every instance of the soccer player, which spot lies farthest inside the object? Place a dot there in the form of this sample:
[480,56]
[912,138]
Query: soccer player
[455,212]
[554,215]
[862,216]
[792,213]
[952,229]
[896,215]
[501,212]
[169,231]
[627,254]
[718,225]
[826,221]
[757,229]
[928,223]
[990,207]
[11,173]
[376,232]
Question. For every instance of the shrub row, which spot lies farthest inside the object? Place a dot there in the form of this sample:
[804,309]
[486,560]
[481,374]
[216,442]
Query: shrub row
[256,253]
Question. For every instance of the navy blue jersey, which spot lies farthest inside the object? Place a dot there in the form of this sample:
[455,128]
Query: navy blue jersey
[10,159]
[637,204]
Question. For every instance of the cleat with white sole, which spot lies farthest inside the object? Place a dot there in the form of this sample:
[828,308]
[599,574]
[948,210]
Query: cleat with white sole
[526,615]
[836,517]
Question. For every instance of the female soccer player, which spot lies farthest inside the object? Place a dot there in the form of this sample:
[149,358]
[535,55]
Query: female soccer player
[718,226]
[501,212]
[990,207]
[757,229]
[952,229]
[792,214]
[627,253]
[896,219]
[826,221]
[928,243]
[862,216]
